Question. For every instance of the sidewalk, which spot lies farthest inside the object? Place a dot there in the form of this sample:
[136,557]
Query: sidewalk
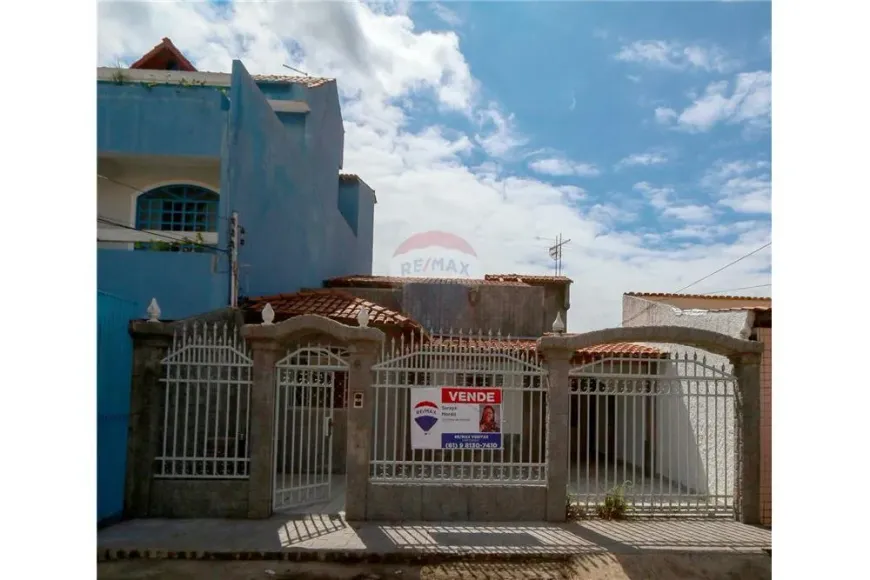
[331,538]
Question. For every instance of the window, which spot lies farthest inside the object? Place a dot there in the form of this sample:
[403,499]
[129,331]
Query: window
[178,208]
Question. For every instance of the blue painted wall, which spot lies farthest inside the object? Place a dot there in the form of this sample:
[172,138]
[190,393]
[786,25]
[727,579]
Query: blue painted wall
[183,283]
[135,119]
[282,178]
[114,365]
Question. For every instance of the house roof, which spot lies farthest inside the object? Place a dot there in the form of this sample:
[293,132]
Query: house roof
[157,58]
[628,349]
[310,82]
[348,177]
[530,278]
[362,281]
[334,304]
[694,296]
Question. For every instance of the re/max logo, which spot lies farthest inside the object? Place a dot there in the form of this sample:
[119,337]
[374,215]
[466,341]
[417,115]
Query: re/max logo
[435,265]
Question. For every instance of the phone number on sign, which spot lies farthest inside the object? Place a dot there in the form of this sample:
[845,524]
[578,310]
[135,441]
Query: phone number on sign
[471,445]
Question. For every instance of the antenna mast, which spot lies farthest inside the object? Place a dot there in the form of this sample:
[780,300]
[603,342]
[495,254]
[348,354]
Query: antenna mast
[556,253]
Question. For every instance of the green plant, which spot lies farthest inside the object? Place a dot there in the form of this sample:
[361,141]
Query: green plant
[614,506]
[196,245]
[573,511]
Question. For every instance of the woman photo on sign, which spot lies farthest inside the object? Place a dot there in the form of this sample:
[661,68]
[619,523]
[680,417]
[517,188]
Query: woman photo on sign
[488,420]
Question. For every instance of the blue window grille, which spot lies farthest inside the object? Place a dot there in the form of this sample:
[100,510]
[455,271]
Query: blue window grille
[177,208]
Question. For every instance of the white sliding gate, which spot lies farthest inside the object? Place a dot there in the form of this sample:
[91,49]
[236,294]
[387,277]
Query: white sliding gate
[661,428]
[304,401]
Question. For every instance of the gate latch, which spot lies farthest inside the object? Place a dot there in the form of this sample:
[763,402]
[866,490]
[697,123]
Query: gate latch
[327,428]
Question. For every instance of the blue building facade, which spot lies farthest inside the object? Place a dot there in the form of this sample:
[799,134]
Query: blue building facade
[179,151]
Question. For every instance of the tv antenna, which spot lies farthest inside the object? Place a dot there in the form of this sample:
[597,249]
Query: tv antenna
[556,253]
[296,70]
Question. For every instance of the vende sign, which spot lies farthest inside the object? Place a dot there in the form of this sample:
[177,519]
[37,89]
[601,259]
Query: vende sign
[456,395]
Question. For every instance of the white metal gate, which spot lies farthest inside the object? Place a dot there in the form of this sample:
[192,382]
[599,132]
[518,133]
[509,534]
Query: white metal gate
[467,361]
[660,429]
[204,407]
[304,400]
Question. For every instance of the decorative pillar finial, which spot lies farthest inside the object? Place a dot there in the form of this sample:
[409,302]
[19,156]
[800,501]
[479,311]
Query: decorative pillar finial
[363,317]
[558,324]
[268,314]
[153,311]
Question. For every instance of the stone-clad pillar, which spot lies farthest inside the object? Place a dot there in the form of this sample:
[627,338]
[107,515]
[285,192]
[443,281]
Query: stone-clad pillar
[261,438]
[151,341]
[558,362]
[363,354]
[747,415]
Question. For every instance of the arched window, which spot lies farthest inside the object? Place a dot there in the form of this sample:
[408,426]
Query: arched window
[178,208]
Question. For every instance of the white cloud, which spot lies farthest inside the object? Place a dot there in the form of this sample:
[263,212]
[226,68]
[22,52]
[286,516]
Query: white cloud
[560,167]
[676,56]
[743,186]
[664,115]
[448,16]
[643,159]
[424,177]
[749,103]
[664,200]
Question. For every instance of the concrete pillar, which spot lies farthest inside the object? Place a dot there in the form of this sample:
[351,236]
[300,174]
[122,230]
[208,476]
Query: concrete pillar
[266,353]
[363,354]
[747,409]
[151,341]
[558,361]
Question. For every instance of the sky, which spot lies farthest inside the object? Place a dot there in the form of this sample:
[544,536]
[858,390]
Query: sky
[638,130]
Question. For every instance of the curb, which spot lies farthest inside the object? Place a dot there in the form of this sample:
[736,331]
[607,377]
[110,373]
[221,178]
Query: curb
[387,558]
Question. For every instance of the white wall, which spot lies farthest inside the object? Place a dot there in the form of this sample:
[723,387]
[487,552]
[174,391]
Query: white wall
[689,440]
[130,176]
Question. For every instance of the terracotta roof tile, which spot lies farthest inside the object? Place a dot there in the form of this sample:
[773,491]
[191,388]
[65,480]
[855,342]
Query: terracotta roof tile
[165,45]
[296,79]
[528,344]
[527,278]
[702,296]
[399,281]
[334,304]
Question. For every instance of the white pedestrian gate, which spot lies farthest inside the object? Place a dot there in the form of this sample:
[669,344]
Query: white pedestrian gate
[304,400]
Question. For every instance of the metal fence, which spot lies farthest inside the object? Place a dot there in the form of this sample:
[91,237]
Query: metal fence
[306,397]
[114,365]
[659,432]
[465,361]
[205,406]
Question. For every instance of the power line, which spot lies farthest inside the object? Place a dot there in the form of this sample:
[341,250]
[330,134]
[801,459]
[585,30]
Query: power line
[738,289]
[137,190]
[157,235]
[743,257]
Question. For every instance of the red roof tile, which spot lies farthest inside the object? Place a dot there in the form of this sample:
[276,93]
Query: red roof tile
[707,296]
[160,54]
[528,278]
[528,344]
[399,281]
[334,304]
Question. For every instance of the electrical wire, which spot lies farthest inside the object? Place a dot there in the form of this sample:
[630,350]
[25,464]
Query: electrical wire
[139,191]
[698,281]
[738,289]
[165,237]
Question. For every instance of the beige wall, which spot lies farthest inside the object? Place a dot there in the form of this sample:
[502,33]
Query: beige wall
[129,177]
[765,335]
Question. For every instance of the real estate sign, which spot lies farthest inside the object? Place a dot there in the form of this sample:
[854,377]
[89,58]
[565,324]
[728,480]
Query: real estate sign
[456,418]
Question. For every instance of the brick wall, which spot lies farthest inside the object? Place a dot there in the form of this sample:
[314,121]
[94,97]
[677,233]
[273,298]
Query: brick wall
[765,335]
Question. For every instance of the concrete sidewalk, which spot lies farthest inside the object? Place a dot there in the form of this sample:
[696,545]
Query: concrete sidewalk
[331,538]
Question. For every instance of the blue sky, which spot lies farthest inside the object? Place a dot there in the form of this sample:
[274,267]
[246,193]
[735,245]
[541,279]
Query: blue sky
[639,130]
